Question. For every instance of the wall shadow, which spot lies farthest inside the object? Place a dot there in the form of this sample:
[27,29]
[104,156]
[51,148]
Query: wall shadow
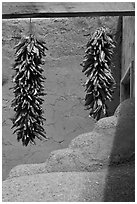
[120,179]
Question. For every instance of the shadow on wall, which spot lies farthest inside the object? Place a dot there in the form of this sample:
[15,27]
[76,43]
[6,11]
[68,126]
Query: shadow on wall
[120,184]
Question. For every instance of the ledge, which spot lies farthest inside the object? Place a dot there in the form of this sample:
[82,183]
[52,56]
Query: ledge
[65,9]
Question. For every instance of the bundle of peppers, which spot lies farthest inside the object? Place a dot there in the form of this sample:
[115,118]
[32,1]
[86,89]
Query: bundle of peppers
[96,66]
[28,90]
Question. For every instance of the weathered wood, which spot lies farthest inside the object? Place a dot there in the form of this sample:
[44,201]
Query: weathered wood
[127,88]
[128,80]
[128,42]
[132,81]
[125,79]
[66,9]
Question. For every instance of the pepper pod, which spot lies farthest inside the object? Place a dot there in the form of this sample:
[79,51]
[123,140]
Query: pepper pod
[28,90]
[96,66]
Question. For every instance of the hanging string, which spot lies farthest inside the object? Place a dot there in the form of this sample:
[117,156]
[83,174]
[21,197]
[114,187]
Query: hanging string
[30,28]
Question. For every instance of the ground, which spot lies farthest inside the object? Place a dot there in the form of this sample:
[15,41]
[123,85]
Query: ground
[73,186]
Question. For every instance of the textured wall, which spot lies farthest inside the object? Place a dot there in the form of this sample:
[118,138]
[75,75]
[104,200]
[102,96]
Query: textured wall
[64,103]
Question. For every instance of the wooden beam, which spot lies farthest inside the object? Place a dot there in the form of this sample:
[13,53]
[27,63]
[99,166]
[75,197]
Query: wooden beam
[66,9]
[128,80]
[132,80]
[125,79]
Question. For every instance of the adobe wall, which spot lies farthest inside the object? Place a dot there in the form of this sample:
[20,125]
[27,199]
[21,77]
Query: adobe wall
[64,104]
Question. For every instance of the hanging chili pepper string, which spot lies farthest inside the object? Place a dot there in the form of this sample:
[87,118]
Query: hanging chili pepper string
[96,66]
[28,89]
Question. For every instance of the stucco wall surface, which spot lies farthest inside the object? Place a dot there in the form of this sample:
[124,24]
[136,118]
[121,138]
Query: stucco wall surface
[64,104]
